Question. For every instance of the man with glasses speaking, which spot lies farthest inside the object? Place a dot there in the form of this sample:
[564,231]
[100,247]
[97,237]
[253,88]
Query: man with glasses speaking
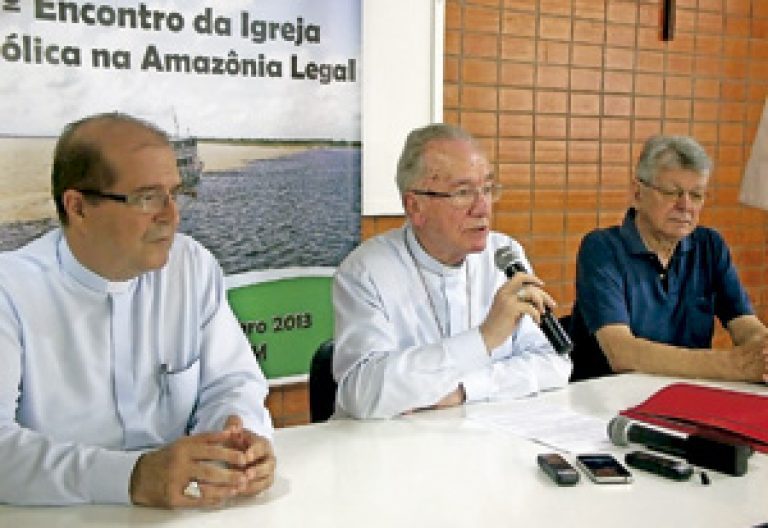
[124,375]
[424,318]
[650,289]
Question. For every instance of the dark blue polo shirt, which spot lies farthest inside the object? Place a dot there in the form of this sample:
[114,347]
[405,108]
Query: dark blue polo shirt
[618,280]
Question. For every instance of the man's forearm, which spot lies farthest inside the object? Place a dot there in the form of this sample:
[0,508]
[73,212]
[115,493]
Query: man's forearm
[630,353]
[37,470]
[746,328]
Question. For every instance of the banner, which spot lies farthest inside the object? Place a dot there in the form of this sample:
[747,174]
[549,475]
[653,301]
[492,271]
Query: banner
[262,99]
[754,184]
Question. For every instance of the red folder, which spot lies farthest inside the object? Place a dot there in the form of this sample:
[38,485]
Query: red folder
[732,415]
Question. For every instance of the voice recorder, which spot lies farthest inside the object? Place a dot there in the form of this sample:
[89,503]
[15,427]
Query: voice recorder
[558,469]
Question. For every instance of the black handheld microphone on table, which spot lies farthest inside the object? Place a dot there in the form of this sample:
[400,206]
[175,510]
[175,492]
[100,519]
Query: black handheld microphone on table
[508,261]
[707,452]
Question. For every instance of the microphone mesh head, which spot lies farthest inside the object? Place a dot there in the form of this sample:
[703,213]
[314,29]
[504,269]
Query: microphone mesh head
[504,257]
[618,429]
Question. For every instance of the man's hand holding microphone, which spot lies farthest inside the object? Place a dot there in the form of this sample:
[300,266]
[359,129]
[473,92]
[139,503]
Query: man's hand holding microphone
[522,294]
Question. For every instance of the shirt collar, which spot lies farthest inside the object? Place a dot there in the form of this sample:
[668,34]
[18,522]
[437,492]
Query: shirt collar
[631,236]
[72,267]
[427,261]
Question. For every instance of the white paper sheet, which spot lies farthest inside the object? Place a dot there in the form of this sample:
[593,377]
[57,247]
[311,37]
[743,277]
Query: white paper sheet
[556,427]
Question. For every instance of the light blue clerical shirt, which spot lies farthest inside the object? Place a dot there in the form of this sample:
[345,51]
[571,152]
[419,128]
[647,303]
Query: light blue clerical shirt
[93,372]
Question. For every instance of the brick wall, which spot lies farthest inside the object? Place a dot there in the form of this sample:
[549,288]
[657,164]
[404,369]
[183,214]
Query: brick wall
[562,93]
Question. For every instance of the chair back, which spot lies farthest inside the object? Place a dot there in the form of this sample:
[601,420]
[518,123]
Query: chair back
[322,386]
[588,358]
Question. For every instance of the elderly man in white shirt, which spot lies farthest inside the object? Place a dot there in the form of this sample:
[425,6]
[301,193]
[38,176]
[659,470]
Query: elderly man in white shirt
[424,318]
[124,375]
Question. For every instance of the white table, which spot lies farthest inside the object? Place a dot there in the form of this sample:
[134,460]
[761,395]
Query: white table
[434,469]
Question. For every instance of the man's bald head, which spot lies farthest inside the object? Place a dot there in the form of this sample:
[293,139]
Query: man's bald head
[80,160]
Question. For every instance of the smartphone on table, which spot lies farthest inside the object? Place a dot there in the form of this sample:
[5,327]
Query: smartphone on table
[603,468]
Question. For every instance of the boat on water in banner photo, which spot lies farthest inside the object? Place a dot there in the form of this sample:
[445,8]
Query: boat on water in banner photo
[188,161]
[187,158]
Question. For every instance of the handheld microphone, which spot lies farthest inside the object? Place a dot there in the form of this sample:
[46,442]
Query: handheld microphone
[711,453]
[508,261]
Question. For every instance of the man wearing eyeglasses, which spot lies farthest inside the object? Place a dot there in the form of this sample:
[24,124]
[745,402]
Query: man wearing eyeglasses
[423,317]
[650,289]
[124,375]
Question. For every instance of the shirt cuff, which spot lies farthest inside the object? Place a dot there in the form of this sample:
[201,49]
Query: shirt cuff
[477,385]
[109,478]
[467,351]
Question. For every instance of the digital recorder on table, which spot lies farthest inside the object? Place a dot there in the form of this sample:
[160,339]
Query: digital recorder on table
[558,469]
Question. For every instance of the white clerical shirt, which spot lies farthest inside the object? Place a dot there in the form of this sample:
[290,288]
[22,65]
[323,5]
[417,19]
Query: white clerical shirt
[407,330]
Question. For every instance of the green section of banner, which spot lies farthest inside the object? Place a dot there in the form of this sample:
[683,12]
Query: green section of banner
[285,321]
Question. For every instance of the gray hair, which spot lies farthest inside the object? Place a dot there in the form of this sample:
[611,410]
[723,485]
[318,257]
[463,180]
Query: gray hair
[410,166]
[662,153]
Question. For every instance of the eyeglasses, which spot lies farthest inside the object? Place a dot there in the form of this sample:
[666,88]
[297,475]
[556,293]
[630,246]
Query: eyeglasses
[150,201]
[465,196]
[673,195]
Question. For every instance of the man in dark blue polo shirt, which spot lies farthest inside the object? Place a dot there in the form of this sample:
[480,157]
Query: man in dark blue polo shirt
[649,290]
